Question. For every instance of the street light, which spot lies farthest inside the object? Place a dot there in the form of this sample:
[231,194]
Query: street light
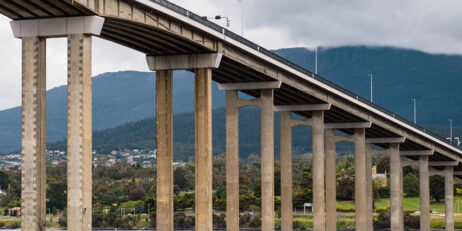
[372,88]
[316,60]
[415,111]
[242,17]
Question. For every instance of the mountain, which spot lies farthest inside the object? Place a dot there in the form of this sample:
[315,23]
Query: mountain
[141,135]
[118,98]
[400,75]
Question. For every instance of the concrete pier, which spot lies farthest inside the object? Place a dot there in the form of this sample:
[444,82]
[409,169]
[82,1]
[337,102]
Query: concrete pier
[318,171]
[449,197]
[360,180]
[331,181]
[79,147]
[267,159]
[33,150]
[164,133]
[424,181]
[232,160]
[203,98]
[286,172]
[369,193]
[396,189]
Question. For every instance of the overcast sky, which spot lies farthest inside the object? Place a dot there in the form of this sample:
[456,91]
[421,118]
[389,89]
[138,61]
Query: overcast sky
[429,25]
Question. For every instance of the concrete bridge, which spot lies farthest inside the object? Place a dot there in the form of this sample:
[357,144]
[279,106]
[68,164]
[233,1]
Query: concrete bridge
[174,38]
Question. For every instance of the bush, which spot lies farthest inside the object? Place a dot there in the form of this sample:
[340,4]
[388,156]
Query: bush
[181,221]
[255,222]
[297,225]
[411,222]
[14,225]
[383,221]
[411,185]
[244,220]
[384,192]
[62,221]
[219,221]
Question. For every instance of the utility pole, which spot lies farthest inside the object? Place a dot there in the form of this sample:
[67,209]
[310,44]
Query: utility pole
[372,87]
[415,111]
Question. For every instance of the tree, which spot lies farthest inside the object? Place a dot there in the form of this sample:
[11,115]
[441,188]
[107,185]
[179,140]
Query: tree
[4,180]
[56,195]
[134,191]
[411,185]
[346,184]
[437,187]
[383,164]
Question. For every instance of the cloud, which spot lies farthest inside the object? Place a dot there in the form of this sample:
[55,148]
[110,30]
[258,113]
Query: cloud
[427,25]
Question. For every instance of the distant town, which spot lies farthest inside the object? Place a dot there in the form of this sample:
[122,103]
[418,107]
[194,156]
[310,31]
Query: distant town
[145,158]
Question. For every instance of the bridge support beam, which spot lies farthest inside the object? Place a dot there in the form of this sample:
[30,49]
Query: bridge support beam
[233,103]
[424,194]
[79,147]
[33,177]
[232,160]
[267,159]
[286,172]
[287,123]
[369,193]
[360,179]
[203,98]
[449,197]
[396,188]
[318,171]
[164,125]
[331,181]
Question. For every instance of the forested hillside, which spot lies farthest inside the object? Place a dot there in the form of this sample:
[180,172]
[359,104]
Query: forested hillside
[141,135]
[399,76]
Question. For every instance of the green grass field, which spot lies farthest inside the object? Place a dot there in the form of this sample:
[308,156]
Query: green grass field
[409,204]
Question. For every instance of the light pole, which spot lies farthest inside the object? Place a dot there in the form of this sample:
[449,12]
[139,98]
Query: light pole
[242,17]
[415,111]
[450,130]
[316,60]
[372,87]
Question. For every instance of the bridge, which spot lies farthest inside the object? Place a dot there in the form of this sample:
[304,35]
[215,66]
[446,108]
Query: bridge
[174,38]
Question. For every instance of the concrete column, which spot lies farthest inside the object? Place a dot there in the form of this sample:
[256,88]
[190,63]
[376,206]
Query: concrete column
[360,179]
[318,171]
[33,177]
[396,189]
[232,161]
[267,159]
[449,197]
[164,126]
[331,182]
[286,172]
[79,146]
[424,194]
[369,196]
[203,97]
